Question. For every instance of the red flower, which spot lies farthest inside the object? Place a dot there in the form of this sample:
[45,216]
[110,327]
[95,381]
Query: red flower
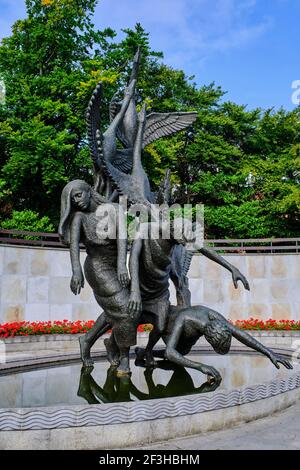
[68,327]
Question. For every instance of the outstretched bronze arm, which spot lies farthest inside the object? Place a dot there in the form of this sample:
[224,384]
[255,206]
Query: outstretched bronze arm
[252,343]
[77,281]
[122,248]
[135,301]
[236,274]
[173,355]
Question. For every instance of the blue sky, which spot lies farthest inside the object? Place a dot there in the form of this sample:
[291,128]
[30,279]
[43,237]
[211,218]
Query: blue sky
[249,47]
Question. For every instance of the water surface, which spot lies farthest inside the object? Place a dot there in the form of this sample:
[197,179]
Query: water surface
[72,385]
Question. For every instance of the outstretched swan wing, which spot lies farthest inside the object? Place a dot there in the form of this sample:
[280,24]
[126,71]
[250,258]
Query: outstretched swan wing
[163,124]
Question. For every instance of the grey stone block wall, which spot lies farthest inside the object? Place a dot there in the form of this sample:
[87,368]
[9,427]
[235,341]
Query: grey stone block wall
[34,285]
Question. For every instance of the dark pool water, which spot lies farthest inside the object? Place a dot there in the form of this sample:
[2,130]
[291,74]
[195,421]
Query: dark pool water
[70,385]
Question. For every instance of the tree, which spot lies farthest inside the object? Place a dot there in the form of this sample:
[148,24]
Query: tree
[244,167]
[42,128]
[242,164]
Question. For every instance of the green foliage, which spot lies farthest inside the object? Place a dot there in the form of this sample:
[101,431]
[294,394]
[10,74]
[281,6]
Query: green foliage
[50,65]
[243,165]
[27,221]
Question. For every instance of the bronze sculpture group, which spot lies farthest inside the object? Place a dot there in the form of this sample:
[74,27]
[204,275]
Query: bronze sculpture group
[88,213]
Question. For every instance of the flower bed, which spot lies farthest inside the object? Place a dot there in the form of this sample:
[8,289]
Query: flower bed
[8,330]
[255,324]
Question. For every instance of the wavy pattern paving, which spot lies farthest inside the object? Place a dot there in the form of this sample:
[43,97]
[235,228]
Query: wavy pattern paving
[116,413]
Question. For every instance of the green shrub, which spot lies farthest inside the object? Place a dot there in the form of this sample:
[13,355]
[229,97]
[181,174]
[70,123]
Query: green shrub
[27,220]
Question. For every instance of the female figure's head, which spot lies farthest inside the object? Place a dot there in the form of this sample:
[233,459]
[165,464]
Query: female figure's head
[76,196]
[81,196]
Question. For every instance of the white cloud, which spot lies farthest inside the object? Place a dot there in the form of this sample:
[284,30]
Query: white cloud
[185,30]
[188,30]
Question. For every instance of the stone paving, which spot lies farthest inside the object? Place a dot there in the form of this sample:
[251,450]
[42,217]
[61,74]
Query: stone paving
[281,431]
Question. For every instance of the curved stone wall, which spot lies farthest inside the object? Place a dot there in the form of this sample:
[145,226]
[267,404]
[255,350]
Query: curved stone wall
[35,286]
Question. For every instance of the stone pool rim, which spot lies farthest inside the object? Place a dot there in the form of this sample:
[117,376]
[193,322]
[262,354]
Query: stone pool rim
[89,416]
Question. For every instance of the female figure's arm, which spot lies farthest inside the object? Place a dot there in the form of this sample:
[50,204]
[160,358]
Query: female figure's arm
[77,281]
[122,247]
[135,300]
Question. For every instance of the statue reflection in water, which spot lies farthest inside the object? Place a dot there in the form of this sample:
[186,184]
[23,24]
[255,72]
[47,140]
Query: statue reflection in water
[122,389]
